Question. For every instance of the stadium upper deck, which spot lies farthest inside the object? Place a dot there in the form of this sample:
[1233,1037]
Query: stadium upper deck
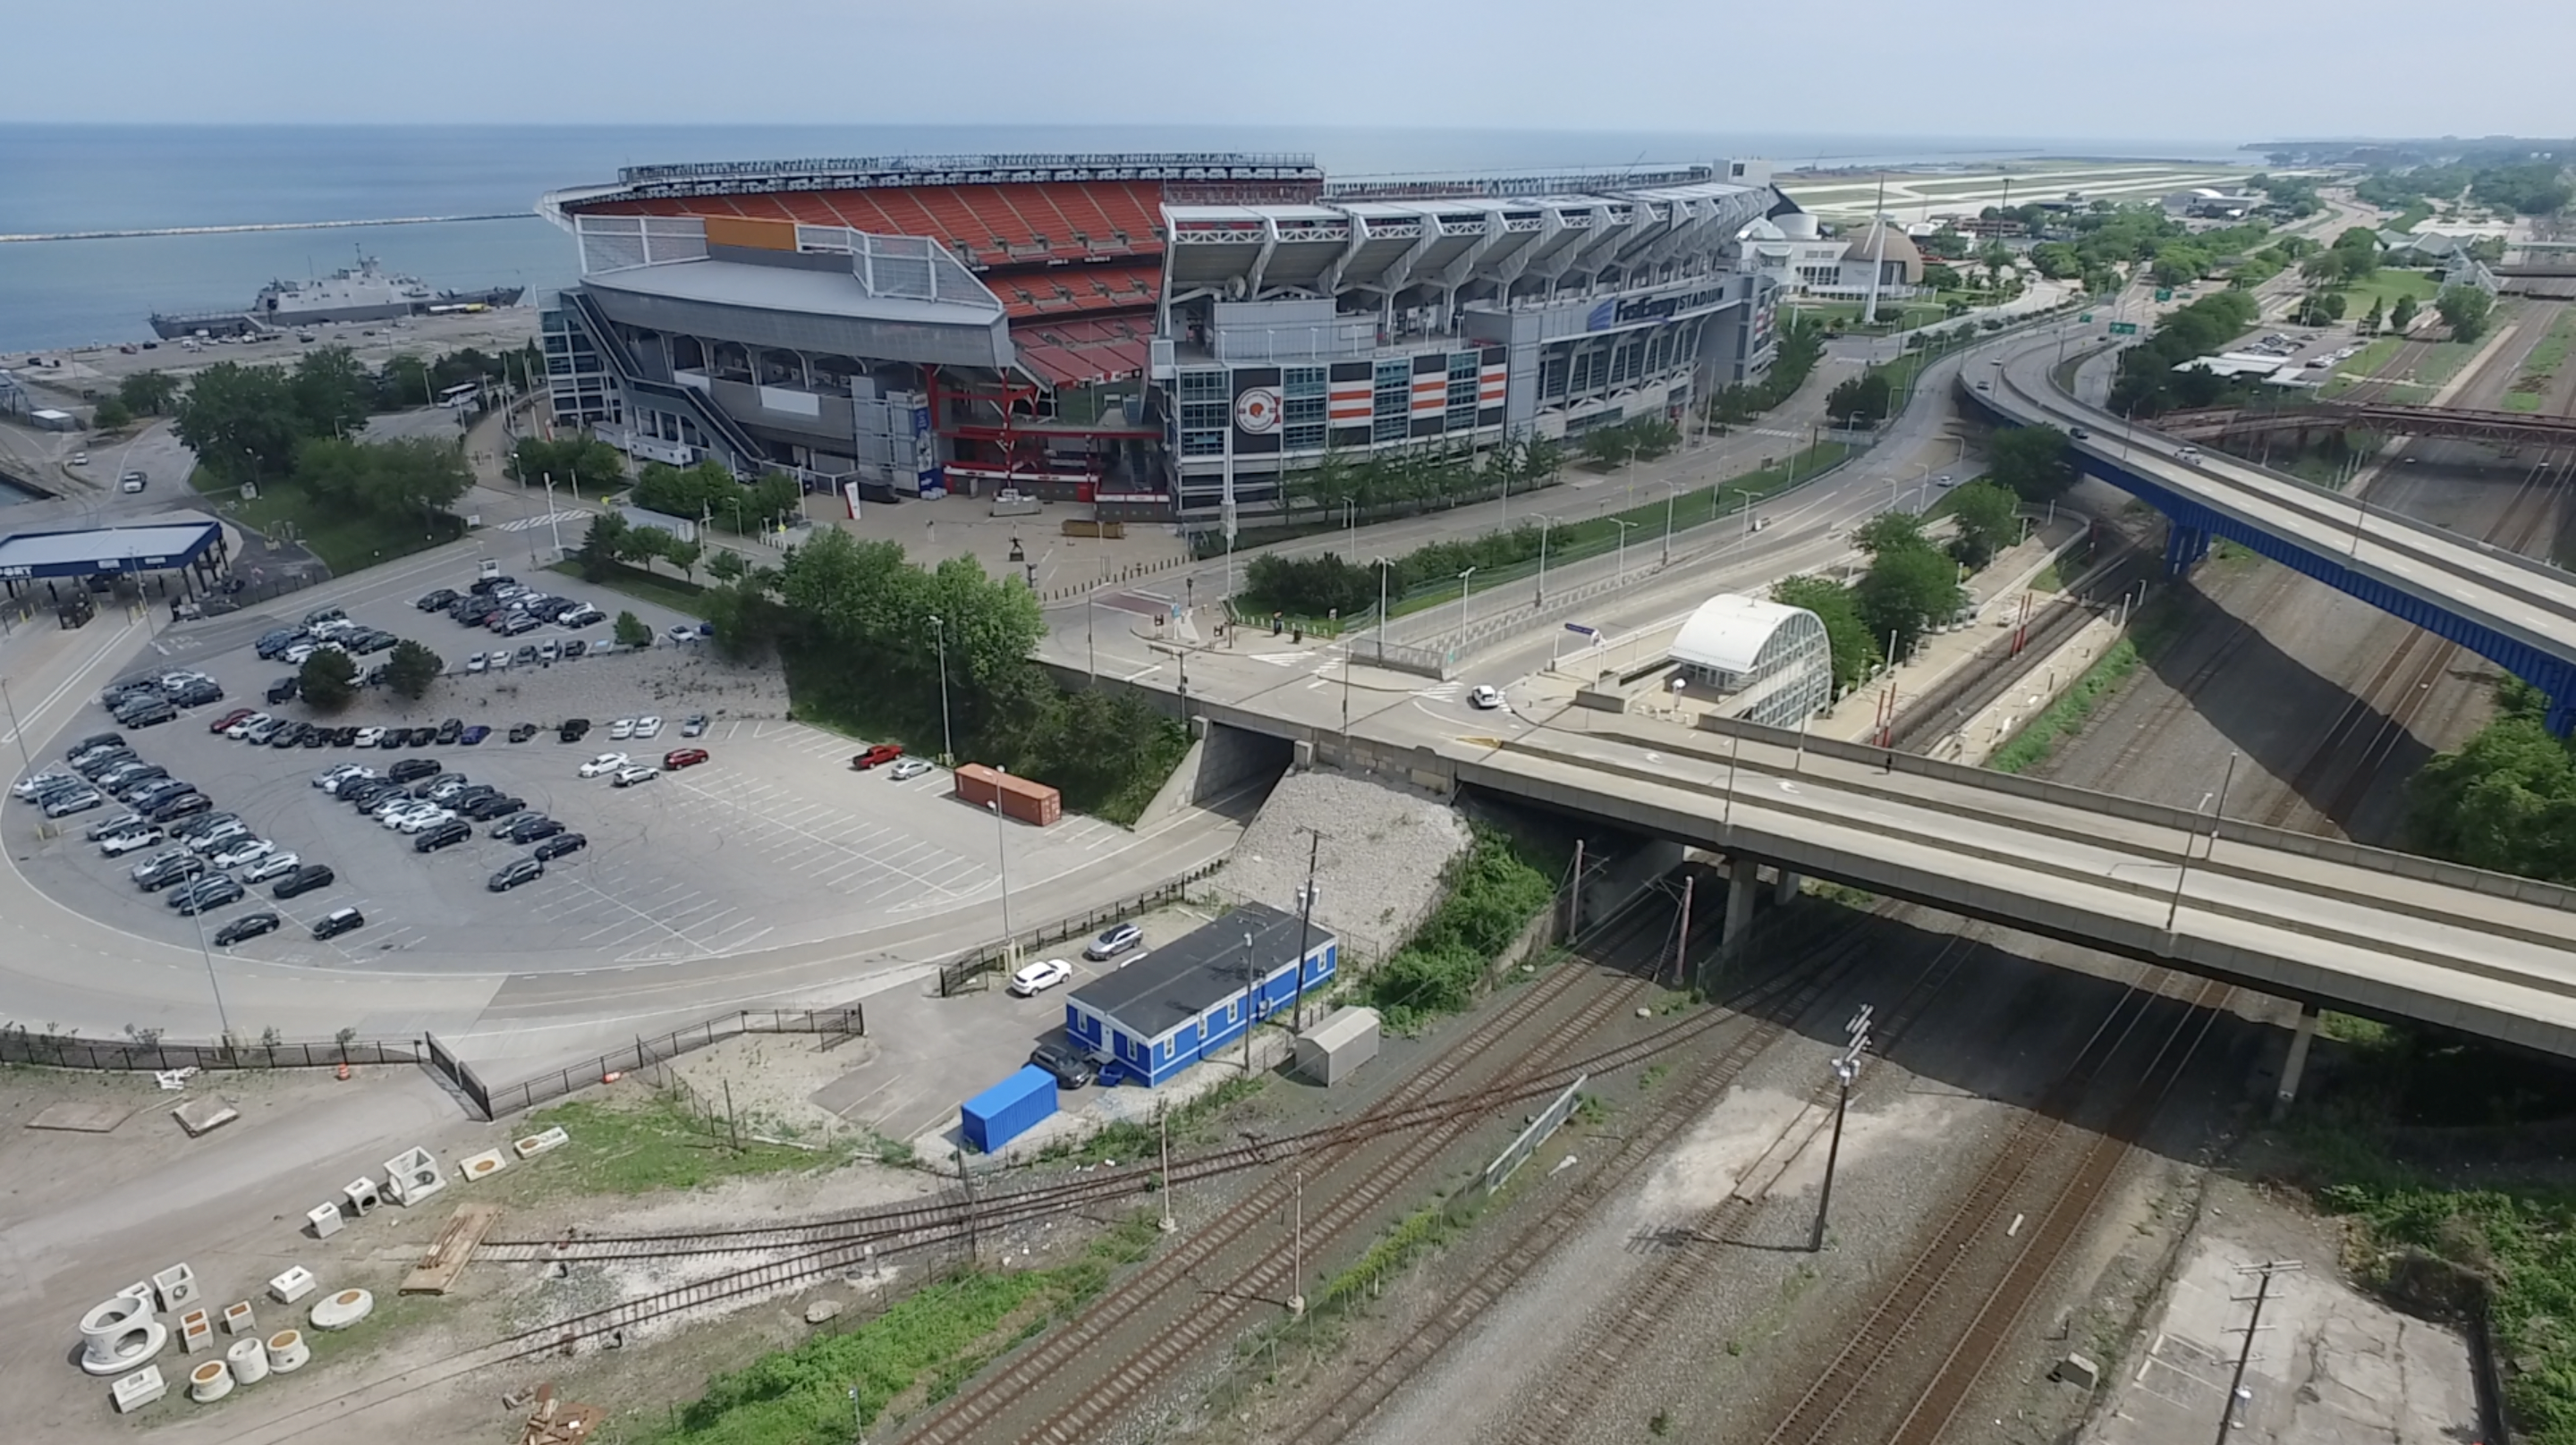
[1246,312]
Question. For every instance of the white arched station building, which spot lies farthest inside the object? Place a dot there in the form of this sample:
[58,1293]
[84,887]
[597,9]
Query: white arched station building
[1768,662]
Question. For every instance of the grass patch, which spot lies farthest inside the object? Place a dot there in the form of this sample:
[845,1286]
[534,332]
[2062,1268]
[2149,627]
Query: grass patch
[1423,1230]
[654,1141]
[677,593]
[2386,286]
[1190,1122]
[2541,367]
[923,1347]
[2444,360]
[1845,315]
[2100,682]
[345,541]
[1492,894]
[2047,580]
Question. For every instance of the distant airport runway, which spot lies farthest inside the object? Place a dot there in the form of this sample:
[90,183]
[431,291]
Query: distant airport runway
[259,226]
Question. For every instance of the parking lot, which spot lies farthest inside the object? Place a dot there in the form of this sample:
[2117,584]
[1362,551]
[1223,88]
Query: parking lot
[773,840]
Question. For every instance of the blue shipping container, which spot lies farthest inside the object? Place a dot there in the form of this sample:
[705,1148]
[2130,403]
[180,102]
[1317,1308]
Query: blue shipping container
[1009,1109]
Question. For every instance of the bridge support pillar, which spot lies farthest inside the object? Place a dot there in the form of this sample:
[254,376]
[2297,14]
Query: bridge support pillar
[1786,889]
[2297,1064]
[2184,548]
[1742,888]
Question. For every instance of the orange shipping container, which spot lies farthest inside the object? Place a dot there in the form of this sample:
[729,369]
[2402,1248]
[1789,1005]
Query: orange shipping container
[1026,799]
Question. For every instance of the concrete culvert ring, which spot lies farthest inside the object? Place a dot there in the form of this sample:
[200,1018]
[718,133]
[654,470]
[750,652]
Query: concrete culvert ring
[120,1334]
[287,1352]
[343,1309]
[210,1381]
[249,1359]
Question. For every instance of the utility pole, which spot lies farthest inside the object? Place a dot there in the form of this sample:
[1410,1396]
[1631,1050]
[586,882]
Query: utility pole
[1681,940]
[966,1181]
[1305,919]
[1574,899]
[1297,1254]
[1846,1069]
[1247,1001]
[1163,1125]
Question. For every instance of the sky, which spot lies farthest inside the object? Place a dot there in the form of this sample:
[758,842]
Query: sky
[2214,70]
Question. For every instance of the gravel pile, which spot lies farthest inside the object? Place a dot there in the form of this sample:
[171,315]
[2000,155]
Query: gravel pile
[671,681]
[1377,872]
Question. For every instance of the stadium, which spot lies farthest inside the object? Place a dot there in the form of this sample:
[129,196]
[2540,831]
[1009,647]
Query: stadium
[1158,335]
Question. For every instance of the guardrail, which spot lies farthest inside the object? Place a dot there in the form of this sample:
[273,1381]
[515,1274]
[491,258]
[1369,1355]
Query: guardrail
[850,1021]
[19,1045]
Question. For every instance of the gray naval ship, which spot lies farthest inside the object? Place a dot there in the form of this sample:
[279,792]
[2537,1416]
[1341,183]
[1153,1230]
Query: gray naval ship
[364,292]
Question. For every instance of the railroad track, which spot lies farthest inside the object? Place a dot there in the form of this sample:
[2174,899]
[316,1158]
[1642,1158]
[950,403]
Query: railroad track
[1169,1301]
[1930,1289]
[1963,696]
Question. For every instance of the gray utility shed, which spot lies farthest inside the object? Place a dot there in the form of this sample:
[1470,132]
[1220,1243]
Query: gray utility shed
[1328,1052]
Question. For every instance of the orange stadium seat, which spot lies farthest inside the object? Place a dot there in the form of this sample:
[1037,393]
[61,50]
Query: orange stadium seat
[810,208]
[1001,220]
[1083,214]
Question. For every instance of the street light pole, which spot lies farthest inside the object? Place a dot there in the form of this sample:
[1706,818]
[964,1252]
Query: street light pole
[947,741]
[213,984]
[1672,494]
[15,730]
[1464,587]
[1623,548]
[1002,853]
[1846,1069]
[1384,567]
[1306,917]
[2173,909]
[1545,525]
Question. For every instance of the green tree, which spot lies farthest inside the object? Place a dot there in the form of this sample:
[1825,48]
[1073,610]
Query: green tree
[2033,462]
[2359,248]
[148,393]
[2320,308]
[777,497]
[415,475]
[110,415]
[727,567]
[2466,310]
[328,679]
[630,631]
[2056,260]
[1855,651]
[576,463]
[644,544]
[240,421]
[602,546]
[408,382]
[2402,315]
[1906,590]
[1891,531]
[1861,401]
[411,669]
[1987,520]
[2506,800]
[332,390]
[1941,278]
[683,555]
[2373,319]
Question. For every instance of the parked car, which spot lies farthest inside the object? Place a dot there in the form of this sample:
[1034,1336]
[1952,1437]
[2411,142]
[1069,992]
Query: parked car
[648,727]
[275,865]
[210,893]
[573,730]
[121,823]
[474,736]
[516,872]
[453,830]
[621,729]
[528,830]
[336,922]
[575,648]
[1485,697]
[242,729]
[77,800]
[604,764]
[94,742]
[151,713]
[303,880]
[34,783]
[1036,978]
[521,732]
[185,805]
[694,725]
[877,756]
[117,845]
[1114,940]
[678,758]
[630,777]
[1072,1069]
[412,770]
[449,731]
[437,600]
[559,845]
[226,720]
[241,852]
[246,928]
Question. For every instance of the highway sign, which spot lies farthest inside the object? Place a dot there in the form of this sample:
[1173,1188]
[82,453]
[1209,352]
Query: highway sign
[2124,328]
[1577,627]
[2087,317]
[2164,293]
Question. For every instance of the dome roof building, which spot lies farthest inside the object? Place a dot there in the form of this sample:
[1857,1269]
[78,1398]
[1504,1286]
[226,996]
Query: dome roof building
[1900,264]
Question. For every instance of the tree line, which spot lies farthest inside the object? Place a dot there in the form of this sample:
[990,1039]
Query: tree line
[1798,346]
[267,425]
[2147,383]
[1389,483]
[863,634]
[2506,799]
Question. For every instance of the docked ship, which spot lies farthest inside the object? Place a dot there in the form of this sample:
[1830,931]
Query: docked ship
[364,292]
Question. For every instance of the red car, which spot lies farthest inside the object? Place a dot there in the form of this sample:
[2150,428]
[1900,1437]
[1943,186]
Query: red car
[228,719]
[880,754]
[678,758]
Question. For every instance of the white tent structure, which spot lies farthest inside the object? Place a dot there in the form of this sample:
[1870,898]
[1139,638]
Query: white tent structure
[1770,663]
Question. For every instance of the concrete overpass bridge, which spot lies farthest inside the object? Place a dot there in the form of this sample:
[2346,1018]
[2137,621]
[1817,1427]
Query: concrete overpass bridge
[2515,612]
[2332,923]
[2501,428]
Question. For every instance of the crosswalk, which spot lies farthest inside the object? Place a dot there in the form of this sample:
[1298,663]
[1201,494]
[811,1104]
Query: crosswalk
[544,519]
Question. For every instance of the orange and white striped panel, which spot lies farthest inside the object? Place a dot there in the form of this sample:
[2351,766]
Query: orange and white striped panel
[1351,401]
[1430,393]
[1490,383]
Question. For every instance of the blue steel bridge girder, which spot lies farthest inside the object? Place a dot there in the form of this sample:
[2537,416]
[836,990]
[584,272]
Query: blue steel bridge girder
[2192,527]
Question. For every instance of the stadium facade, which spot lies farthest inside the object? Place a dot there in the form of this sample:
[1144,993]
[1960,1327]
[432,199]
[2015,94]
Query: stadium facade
[1159,335]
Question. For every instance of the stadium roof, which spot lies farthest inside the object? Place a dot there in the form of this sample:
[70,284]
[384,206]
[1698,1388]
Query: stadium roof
[153,547]
[791,289]
[1726,634]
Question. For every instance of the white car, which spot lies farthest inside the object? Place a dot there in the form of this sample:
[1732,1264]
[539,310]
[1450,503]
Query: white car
[1486,697]
[117,845]
[648,727]
[909,768]
[424,819]
[275,865]
[242,728]
[605,763]
[329,778]
[34,783]
[1037,978]
[297,655]
[398,803]
[370,737]
[474,663]
[244,851]
[682,632]
[629,777]
[622,729]
[497,662]
[354,775]
[218,837]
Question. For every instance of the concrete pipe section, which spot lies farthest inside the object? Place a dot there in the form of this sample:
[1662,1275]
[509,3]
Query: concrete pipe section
[210,1382]
[343,1309]
[120,1335]
[249,1359]
[287,1352]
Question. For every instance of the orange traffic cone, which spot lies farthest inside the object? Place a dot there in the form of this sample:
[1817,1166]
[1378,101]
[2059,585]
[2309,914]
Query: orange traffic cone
[344,1069]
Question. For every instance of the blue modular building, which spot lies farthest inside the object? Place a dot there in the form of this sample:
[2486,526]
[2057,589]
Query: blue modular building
[1194,995]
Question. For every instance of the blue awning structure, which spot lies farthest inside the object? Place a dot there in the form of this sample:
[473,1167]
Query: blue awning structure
[151,547]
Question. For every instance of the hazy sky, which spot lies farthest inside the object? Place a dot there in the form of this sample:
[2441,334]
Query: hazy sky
[2181,69]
